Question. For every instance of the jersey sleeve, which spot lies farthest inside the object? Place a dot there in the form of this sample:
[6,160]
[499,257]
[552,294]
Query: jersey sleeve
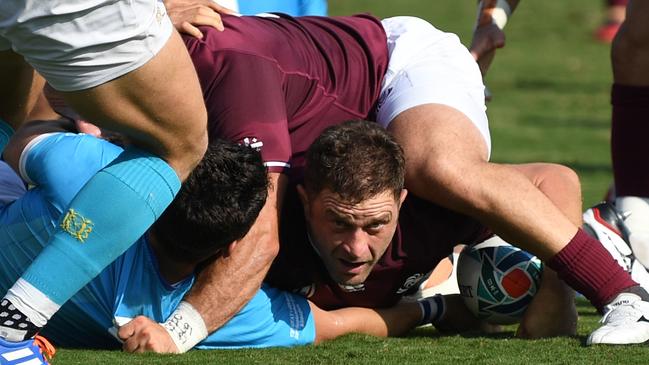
[61,163]
[272,318]
[244,100]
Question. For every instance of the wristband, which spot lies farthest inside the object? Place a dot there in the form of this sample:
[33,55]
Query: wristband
[432,309]
[186,327]
[500,13]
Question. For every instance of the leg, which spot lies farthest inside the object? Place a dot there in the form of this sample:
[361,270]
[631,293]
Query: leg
[21,88]
[159,105]
[553,311]
[630,125]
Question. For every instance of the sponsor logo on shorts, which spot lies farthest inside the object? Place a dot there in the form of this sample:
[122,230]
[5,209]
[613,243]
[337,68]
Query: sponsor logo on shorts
[76,225]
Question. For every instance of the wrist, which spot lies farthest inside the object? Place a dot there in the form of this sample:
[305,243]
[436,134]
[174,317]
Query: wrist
[432,309]
[186,327]
[494,12]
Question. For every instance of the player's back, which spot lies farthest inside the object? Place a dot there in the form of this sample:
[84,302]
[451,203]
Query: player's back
[278,82]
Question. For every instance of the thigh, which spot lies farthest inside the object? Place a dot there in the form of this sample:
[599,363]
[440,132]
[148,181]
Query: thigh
[16,101]
[159,106]
[81,44]
[430,67]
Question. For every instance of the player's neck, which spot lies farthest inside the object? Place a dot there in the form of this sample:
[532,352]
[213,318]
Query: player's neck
[171,269]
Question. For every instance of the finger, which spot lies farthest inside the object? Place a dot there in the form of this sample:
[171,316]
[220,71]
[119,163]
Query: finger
[187,28]
[221,9]
[131,344]
[212,20]
[126,331]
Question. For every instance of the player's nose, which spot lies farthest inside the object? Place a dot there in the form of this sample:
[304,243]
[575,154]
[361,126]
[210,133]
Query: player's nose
[356,245]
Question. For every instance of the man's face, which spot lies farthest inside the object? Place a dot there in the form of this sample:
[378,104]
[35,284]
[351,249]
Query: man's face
[351,238]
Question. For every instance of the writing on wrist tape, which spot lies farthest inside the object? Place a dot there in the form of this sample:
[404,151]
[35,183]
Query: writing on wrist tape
[186,327]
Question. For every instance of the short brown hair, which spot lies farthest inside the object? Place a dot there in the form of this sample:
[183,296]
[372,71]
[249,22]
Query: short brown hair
[356,160]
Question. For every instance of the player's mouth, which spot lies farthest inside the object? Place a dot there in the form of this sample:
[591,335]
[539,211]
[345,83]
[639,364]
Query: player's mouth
[350,267]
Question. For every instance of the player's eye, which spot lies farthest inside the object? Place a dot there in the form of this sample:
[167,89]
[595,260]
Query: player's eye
[340,224]
[374,227]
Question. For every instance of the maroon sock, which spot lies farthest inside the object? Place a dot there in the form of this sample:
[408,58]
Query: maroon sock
[629,133]
[617,2]
[589,269]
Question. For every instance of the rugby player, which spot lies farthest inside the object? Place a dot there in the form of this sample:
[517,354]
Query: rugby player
[109,59]
[150,278]
[362,242]
[276,83]
[630,100]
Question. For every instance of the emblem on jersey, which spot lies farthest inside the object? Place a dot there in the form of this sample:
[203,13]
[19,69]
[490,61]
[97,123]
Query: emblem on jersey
[76,225]
[253,142]
[410,282]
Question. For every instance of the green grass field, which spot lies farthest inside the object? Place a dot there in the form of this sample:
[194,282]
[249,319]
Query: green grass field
[551,103]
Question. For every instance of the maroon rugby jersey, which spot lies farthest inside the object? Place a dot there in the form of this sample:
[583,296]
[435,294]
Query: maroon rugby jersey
[276,83]
[425,235]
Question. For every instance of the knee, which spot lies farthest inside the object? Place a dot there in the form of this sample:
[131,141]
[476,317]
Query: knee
[564,177]
[186,149]
[568,177]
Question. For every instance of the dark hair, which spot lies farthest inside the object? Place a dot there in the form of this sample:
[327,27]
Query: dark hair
[356,160]
[216,205]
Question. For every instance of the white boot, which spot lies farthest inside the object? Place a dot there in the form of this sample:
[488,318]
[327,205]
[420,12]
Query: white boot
[637,222]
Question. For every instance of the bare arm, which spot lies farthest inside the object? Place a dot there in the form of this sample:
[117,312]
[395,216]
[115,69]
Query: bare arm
[227,284]
[394,321]
[188,15]
[488,34]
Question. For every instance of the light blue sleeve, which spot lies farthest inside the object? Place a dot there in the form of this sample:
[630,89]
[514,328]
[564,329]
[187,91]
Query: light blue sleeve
[290,7]
[60,164]
[313,7]
[272,318]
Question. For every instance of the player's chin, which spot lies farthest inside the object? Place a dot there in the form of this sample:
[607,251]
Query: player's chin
[347,278]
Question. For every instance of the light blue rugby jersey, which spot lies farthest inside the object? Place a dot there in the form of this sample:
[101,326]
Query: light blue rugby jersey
[58,165]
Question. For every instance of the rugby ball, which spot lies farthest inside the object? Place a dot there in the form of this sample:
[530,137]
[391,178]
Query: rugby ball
[497,280]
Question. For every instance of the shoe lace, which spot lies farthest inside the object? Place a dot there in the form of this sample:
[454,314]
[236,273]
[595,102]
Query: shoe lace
[45,347]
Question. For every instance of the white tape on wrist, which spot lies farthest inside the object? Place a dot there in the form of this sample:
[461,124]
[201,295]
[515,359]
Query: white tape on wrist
[501,13]
[186,327]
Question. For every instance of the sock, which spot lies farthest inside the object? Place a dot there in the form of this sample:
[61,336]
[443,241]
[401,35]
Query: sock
[107,216]
[5,133]
[629,147]
[14,325]
[588,268]
[432,309]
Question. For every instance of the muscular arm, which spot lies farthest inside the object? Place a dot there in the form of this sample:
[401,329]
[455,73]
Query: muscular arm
[393,321]
[227,284]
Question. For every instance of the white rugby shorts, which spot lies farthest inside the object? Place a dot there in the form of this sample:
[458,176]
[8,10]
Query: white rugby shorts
[428,66]
[79,44]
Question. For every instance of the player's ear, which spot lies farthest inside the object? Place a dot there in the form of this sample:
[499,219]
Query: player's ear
[304,198]
[227,251]
[402,198]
